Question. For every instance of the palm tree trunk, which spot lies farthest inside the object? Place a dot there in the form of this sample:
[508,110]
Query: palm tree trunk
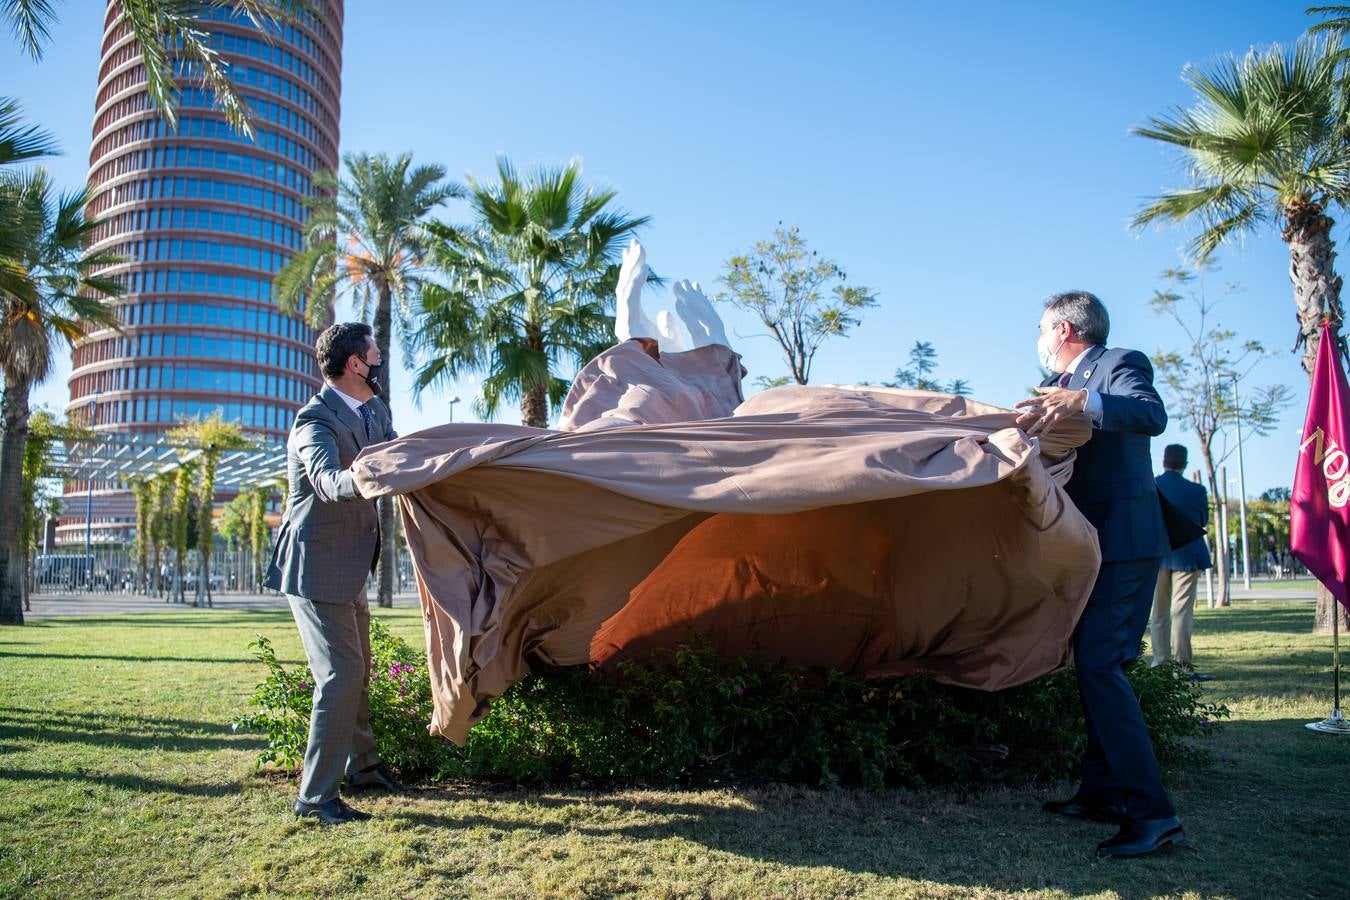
[1317,287]
[14,406]
[534,397]
[384,569]
[1317,296]
[534,407]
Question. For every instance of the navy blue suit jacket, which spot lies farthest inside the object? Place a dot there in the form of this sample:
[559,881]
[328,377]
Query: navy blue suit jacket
[1112,481]
[1193,500]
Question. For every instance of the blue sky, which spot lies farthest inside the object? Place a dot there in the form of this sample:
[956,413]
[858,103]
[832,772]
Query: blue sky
[964,162]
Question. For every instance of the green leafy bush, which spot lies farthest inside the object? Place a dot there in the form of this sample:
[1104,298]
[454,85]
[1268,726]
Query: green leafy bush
[689,714]
[400,707]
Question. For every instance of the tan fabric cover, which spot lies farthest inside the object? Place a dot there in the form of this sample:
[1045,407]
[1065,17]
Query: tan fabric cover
[869,529]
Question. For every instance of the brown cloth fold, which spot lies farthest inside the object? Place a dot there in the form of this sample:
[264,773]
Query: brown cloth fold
[874,530]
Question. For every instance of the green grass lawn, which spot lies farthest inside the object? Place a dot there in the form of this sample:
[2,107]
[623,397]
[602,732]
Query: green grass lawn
[1274,584]
[119,775]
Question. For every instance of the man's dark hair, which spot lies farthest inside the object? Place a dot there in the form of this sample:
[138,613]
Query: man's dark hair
[1174,457]
[1084,312]
[339,342]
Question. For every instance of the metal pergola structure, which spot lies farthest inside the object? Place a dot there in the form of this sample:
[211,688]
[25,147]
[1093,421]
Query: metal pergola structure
[122,458]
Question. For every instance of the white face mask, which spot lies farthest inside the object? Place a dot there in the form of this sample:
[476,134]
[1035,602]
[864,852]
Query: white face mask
[1046,355]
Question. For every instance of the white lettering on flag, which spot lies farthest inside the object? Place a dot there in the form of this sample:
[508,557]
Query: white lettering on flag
[1335,466]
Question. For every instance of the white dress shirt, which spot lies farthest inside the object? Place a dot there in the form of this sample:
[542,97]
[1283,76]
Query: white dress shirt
[1093,405]
[351,401]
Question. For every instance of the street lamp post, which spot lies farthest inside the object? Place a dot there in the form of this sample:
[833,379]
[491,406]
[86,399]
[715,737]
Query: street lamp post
[1242,491]
[89,506]
[453,401]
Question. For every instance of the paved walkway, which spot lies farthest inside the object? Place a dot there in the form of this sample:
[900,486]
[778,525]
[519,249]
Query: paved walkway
[45,606]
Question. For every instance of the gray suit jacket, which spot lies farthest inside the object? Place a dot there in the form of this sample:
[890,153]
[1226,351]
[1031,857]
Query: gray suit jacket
[329,537]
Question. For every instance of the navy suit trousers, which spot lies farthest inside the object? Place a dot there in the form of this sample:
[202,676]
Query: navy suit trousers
[1119,766]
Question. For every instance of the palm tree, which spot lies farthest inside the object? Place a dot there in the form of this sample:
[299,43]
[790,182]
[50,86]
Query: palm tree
[527,287]
[50,290]
[366,237]
[157,25]
[1266,143]
[212,436]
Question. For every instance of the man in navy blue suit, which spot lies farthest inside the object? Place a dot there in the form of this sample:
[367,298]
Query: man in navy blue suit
[1113,486]
[1179,576]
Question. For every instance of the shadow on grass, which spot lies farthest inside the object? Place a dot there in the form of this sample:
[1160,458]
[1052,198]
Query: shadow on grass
[130,732]
[1267,801]
[134,783]
[1246,618]
[82,657]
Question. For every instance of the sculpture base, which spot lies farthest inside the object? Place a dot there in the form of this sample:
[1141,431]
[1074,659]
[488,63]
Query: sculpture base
[1332,724]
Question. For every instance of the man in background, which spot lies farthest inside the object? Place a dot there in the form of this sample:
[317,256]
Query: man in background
[1179,573]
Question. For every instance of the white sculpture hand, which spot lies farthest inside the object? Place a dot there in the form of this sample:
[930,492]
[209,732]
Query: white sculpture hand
[629,321]
[670,341]
[704,324]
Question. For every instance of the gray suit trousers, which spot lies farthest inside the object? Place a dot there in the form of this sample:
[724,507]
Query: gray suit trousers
[337,642]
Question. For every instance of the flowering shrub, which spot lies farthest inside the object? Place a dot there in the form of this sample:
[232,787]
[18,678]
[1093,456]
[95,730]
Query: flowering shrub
[400,707]
[688,713]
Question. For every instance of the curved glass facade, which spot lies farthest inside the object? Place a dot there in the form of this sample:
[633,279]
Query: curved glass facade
[205,218]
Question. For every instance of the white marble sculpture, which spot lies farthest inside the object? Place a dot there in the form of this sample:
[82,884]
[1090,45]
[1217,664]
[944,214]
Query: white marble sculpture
[694,324]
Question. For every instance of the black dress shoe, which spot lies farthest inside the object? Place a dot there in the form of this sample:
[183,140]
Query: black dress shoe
[334,812]
[1142,837]
[1087,810]
[374,777]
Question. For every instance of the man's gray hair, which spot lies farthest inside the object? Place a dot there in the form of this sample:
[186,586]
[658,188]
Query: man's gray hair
[1084,312]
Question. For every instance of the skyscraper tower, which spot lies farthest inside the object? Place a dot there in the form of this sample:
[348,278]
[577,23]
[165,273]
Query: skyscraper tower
[205,218]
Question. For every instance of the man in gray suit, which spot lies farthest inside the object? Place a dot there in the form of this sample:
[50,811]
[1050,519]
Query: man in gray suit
[327,546]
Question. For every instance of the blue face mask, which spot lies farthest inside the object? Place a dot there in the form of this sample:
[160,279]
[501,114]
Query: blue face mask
[1045,354]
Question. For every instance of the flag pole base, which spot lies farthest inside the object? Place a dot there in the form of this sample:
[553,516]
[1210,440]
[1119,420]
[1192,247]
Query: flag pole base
[1332,724]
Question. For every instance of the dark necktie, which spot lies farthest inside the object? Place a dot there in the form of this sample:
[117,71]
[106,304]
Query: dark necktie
[367,418]
[1063,381]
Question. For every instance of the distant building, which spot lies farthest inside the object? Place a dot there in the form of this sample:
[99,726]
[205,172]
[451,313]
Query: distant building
[205,218]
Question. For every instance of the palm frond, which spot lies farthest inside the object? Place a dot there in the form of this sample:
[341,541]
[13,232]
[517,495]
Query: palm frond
[1266,131]
[30,21]
[20,142]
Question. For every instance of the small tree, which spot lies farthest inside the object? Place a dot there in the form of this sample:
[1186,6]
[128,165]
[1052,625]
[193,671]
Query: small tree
[144,492]
[1198,381]
[181,525]
[213,435]
[799,296]
[161,525]
[919,375]
[1268,522]
[258,532]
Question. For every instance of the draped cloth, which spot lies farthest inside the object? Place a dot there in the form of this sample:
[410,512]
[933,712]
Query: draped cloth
[873,530]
